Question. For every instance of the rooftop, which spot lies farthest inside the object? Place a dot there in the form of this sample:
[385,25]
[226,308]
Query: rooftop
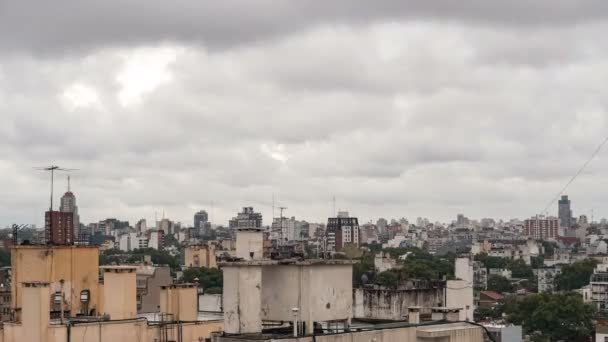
[296,262]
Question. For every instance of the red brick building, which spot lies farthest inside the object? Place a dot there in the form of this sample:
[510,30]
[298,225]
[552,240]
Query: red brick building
[59,228]
[541,227]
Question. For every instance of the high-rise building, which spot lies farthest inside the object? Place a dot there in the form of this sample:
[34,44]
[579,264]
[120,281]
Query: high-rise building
[564,212]
[246,219]
[541,227]
[68,205]
[200,218]
[341,231]
[141,226]
[59,228]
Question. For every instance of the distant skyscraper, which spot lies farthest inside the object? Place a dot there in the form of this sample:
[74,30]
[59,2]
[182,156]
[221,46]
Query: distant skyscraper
[59,228]
[68,205]
[246,219]
[199,218]
[541,228]
[341,231]
[564,212]
[141,226]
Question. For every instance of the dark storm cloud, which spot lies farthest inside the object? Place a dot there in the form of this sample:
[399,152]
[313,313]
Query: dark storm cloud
[64,25]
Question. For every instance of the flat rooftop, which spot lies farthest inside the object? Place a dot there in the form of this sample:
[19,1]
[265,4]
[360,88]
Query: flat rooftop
[296,262]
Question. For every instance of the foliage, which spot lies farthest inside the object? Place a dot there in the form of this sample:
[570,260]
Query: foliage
[208,278]
[562,316]
[549,248]
[159,257]
[537,262]
[5,257]
[490,261]
[388,278]
[352,251]
[519,269]
[364,266]
[576,275]
[499,284]
[482,313]
[170,240]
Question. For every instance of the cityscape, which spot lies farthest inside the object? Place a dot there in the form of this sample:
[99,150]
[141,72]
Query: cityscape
[303,171]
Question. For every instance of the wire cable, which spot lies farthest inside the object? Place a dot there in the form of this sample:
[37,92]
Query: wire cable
[597,150]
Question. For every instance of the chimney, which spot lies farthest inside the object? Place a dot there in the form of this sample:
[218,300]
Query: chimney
[413,316]
[439,313]
[180,301]
[120,292]
[36,302]
[453,314]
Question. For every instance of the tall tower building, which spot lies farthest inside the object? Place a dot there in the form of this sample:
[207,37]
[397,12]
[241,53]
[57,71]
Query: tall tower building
[68,205]
[200,218]
[564,212]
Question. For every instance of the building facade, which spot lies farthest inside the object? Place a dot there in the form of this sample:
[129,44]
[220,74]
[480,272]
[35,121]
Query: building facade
[341,231]
[541,227]
[246,219]
[59,228]
[564,212]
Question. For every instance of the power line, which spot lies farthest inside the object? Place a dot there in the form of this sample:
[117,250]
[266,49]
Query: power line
[597,150]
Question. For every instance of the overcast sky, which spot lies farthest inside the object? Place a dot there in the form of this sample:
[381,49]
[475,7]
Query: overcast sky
[398,108]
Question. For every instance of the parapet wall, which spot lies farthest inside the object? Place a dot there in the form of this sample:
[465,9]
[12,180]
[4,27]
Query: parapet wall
[393,304]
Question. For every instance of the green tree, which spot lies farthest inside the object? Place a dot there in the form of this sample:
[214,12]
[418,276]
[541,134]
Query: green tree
[388,279]
[519,269]
[490,261]
[499,284]
[549,248]
[5,257]
[365,265]
[562,316]
[576,275]
[537,262]
[208,278]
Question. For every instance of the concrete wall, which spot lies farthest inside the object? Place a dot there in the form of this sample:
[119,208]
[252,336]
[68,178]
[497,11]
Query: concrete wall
[180,301]
[459,294]
[321,292]
[77,266]
[393,304]
[120,292]
[150,300]
[242,298]
[200,256]
[249,241]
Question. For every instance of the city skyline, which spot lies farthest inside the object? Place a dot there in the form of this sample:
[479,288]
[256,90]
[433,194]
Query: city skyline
[397,109]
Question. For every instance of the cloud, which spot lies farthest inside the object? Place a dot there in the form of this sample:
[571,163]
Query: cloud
[396,108]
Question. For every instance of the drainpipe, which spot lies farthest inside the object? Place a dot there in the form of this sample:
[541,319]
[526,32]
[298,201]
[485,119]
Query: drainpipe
[295,321]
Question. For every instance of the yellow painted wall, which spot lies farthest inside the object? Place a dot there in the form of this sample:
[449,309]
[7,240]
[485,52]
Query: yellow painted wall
[124,331]
[77,266]
[206,256]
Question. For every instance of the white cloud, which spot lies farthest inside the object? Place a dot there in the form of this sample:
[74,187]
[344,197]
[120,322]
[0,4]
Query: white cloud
[144,70]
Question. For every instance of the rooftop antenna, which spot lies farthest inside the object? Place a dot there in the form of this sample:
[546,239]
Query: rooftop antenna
[16,229]
[334,200]
[68,183]
[52,169]
[273,206]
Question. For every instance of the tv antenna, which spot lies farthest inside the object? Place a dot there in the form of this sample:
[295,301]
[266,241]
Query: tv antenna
[16,229]
[52,169]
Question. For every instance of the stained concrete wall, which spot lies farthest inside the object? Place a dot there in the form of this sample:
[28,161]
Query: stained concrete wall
[440,333]
[320,292]
[459,294]
[393,304]
[77,266]
[242,297]
[248,242]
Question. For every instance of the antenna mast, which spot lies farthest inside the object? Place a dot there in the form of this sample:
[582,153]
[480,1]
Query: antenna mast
[52,169]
